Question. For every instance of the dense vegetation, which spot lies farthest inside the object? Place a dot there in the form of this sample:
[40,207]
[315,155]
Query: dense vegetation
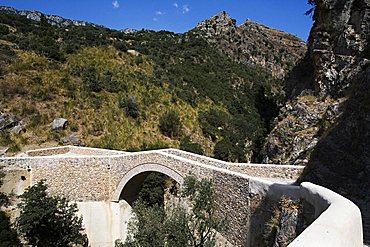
[49,220]
[178,91]
[192,226]
[8,235]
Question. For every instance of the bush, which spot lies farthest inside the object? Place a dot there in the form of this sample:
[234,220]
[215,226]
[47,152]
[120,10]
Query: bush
[223,150]
[213,122]
[8,236]
[187,145]
[191,227]
[152,190]
[170,124]
[131,106]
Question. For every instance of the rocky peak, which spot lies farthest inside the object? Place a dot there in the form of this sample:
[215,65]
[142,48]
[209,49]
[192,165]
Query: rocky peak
[253,43]
[52,19]
[218,24]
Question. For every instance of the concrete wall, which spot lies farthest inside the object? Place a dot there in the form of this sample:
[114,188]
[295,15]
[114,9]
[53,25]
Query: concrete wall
[105,222]
[338,222]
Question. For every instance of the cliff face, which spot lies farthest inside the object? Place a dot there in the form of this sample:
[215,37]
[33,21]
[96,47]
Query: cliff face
[52,19]
[319,86]
[254,44]
[325,123]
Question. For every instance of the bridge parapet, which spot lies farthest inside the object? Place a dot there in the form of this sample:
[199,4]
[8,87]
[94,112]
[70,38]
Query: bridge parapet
[282,172]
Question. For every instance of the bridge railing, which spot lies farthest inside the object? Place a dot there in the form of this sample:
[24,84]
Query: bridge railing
[338,222]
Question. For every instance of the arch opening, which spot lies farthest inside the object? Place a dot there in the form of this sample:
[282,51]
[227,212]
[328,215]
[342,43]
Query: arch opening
[148,181]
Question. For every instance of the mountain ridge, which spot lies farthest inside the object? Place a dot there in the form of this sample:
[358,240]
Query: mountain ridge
[253,43]
[52,19]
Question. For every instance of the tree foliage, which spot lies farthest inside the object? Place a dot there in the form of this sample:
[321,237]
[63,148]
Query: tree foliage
[49,220]
[8,235]
[187,145]
[178,227]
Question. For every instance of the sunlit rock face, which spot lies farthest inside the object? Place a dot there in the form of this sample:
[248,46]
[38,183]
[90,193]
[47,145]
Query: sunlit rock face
[325,123]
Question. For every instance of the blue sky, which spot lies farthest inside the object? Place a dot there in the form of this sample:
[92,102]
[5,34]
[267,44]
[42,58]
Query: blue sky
[174,15]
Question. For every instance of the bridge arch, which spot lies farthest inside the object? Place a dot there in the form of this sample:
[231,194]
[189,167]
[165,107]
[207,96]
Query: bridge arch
[137,175]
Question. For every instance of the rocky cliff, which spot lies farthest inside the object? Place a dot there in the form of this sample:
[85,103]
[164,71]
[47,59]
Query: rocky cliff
[325,123]
[253,43]
[319,86]
[52,19]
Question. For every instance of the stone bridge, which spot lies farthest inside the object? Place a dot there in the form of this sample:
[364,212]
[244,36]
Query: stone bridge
[104,183]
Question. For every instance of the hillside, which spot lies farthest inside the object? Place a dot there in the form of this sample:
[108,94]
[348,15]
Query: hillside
[129,90]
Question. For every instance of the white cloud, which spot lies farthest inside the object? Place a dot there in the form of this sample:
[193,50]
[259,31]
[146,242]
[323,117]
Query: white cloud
[159,13]
[155,19]
[115,4]
[185,9]
[175,5]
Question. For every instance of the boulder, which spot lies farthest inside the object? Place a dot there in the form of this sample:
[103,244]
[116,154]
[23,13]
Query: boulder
[17,129]
[59,123]
[7,120]
[72,138]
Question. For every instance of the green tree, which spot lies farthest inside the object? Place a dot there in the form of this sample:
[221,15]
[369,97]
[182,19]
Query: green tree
[147,229]
[202,223]
[49,220]
[197,227]
[152,190]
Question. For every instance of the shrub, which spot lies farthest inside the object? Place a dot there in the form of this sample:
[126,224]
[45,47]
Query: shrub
[8,236]
[187,145]
[170,124]
[223,150]
[131,106]
[213,122]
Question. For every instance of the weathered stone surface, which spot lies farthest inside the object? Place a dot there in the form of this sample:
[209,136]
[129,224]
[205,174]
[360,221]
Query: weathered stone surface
[72,139]
[59,123]
[17,129]
[7,120]
[335,140]
[298,129]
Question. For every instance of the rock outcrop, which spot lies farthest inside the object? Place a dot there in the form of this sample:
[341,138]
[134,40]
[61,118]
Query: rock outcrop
[52,19]
[59,123]
[330,133]
[8,120]
[253,43]
[338,51]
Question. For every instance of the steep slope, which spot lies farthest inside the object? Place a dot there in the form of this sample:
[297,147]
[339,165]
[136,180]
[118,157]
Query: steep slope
[325,125]
[115,89]
[254,44]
